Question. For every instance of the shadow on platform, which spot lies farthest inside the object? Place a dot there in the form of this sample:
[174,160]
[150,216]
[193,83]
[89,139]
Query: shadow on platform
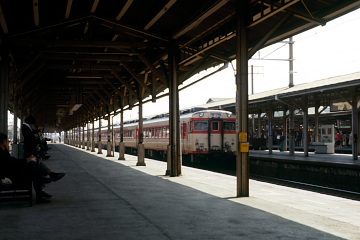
[104,199]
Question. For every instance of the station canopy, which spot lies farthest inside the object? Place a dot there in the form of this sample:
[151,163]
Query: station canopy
[71,60]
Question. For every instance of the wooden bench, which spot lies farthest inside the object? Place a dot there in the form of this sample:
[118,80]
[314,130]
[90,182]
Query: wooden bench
[18,191]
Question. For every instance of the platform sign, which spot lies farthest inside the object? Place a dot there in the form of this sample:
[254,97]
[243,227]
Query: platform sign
[327,133]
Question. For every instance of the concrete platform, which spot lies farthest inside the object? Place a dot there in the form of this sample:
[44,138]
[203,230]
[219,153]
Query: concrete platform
[335,158]
[104,198]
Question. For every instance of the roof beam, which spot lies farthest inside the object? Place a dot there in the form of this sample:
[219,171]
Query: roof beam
[36,12]
[298,14]
[3,21]
[94,6]
[123,82]
[124,10]
[262,41]
[117,90]
[160,14]
[153,69]
[201,18]
[98,44]
[68,9]
[102,97]
[83,67]
[120,27]
[269,13]
[35,70]
[139,79]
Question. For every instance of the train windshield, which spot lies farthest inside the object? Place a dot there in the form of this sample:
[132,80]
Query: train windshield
[200,125]
[229,126]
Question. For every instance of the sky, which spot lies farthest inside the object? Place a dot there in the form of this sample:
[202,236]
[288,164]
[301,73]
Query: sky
[322,52]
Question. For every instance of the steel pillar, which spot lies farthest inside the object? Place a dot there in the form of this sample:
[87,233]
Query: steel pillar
[88,136]
[93,136]
[15,137]
[317,115]
[80,141]
[4,93]
[121,144]
[285,129]
[305,127]
[355,126]
[83,136]
[108,146]
[141,147]
[270,129]
[259,124]
[174,118]
[242,156]
[99,138]
[291,131]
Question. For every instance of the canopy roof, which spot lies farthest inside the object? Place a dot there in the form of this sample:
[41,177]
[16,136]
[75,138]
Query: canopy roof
[74,60]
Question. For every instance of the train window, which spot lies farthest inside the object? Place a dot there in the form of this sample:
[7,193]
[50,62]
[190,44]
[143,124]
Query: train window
[215,126]
[165,132]
[145,133]
[200,126]
[229,126]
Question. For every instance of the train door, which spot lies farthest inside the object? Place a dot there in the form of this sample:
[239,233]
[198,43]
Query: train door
[215,135]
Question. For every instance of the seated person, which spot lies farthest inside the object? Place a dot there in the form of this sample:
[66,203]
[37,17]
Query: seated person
[22,170]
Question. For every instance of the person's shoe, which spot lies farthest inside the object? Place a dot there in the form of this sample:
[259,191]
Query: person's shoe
[46,195]
[45,180]
[56,176]
[42,200]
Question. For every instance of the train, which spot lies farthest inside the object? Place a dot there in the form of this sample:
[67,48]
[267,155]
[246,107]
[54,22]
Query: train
[205,134]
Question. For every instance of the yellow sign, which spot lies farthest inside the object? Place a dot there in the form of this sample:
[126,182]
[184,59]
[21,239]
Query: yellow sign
[243,137]
[244,147]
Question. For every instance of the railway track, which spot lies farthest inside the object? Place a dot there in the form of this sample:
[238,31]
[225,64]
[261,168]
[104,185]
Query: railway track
[283,182]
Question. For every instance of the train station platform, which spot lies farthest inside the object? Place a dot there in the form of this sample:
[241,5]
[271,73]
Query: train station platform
[104,198]
[335,158]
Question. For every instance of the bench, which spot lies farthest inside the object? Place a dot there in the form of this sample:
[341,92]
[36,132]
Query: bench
[18,191]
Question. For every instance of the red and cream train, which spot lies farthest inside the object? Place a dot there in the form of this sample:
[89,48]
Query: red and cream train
[204,133]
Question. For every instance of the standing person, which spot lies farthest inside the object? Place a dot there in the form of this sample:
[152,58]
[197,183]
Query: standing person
[338,139]
[30,140]
[22,170]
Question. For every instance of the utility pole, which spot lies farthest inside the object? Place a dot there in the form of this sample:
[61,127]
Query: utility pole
[291,63]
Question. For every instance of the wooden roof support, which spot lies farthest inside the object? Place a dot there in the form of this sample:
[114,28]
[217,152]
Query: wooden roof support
[94,6]
[127,86]
[297,13]
[139,79]
[262,41]
[3,21]
[68,9]
[99,44]
[107,102]
[160,14]
[120,27]
[269,13]
[201,18]
[154,70]
[124,10]
[116,89]
[29,64]
[36,12]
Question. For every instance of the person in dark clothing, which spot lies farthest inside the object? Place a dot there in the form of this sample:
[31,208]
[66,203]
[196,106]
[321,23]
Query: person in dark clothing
[30,140]
[22,170]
